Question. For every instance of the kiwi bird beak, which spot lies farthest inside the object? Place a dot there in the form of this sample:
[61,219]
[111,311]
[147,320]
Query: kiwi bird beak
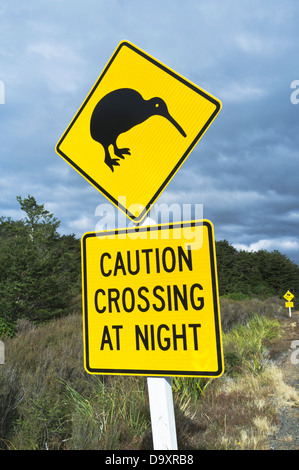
[173,121]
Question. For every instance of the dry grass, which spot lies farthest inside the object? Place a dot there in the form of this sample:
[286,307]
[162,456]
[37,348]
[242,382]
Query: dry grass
[240,413]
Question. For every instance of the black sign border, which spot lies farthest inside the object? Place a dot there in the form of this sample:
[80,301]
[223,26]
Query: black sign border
[217,104]
[171,373]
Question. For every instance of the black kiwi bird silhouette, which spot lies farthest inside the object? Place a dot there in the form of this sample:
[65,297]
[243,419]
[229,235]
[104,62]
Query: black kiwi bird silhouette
[119,111]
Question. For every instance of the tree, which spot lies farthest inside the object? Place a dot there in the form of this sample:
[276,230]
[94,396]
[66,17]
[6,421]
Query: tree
[225,257]
[39,269]
[259,273]
[246,273]
[278,272]
[39,220]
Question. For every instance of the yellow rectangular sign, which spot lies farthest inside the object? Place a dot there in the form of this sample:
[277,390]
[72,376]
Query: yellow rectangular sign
[135,129]
[289,304]
[150,301]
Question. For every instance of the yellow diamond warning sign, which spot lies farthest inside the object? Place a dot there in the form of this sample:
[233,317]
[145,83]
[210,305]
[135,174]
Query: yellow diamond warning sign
[135,129]
[150,301]
[288,296]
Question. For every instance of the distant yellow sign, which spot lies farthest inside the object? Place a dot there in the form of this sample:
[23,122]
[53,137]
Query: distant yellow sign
[288,296]
[289,304]
[136,127]
[150,301]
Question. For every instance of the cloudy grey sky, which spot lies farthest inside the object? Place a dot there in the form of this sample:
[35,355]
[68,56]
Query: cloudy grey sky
[245,168]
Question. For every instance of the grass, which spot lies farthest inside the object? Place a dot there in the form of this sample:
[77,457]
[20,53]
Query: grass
[247,345]
[48,401]
[112,416]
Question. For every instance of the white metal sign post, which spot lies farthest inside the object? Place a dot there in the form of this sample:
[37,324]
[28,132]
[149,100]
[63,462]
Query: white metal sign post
[162,413]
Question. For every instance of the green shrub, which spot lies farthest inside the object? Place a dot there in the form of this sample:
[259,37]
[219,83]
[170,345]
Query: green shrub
[7,329]
[246,346]
[190,388]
